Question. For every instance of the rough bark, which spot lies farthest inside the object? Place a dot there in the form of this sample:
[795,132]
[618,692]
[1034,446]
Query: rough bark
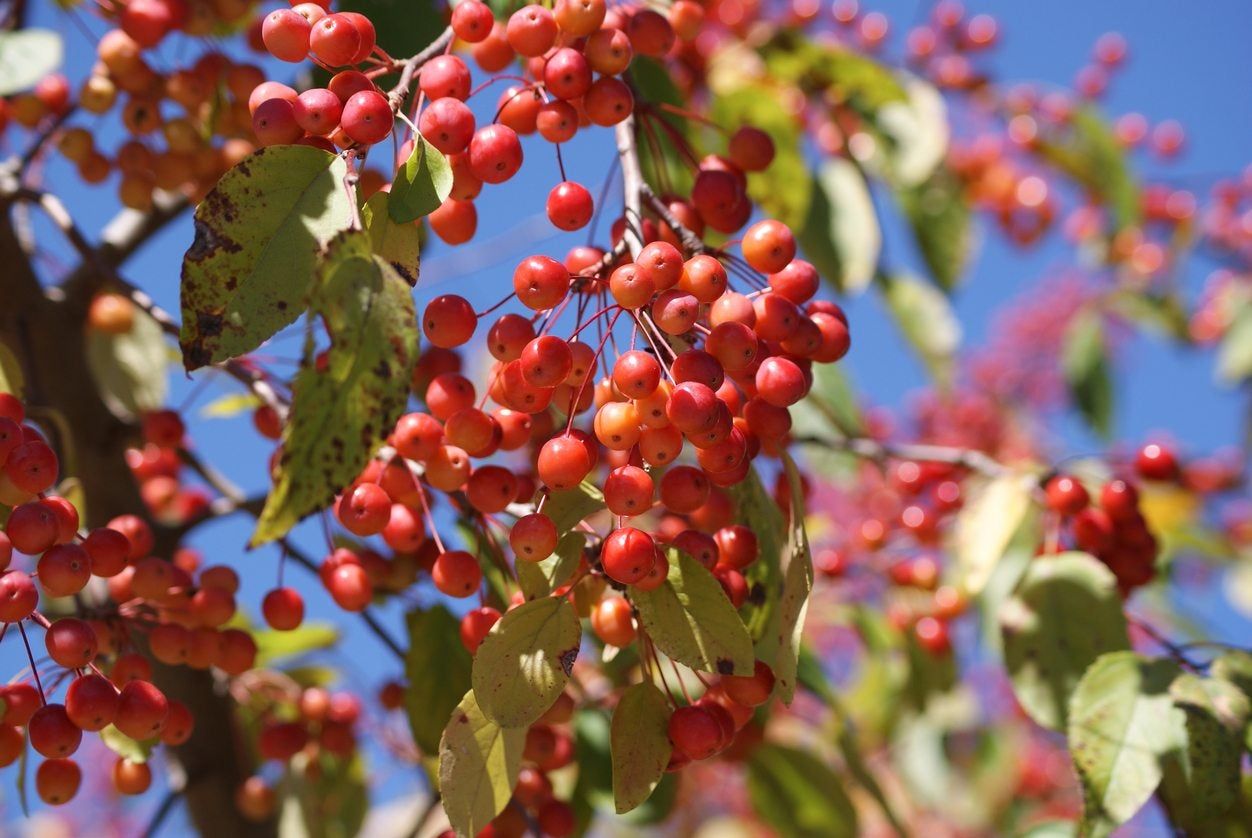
[46,333]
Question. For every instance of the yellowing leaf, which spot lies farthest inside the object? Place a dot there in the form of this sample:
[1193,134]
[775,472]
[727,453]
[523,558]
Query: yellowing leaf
[524,663]
[259,235]
[690,619]
[11,379]
[229,406]
[1166,507]
[640,744]
[927,321]
[986,525]
[478,766]
[341,414]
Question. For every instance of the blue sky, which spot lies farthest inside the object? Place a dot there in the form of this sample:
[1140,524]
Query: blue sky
[1189,63]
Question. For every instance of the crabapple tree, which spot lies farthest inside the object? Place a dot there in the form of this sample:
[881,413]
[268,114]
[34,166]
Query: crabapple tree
[628,543]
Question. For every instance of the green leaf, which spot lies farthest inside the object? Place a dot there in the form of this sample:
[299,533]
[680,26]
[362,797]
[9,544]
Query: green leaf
[568,507]
[1121,720]
[478,766]
[840,234]
[849,76]
[437,668]
[229,406]
[421,184]
[130,369]
[11,378]
[780,645]
[1202,777]
[259,236]
[1066,613]
[995,510]
[690,619]
[784,189]
[525,661]
[399,245]
[326,797]
[122,745]
[939,216]
[26,56]
[757,510]
[340,415]
[926,319]
[640,744]
[273,645]
[831,404]
[1084,361]
[1091,154]
[798,795]
[1234,357]
[541,578]
[660,153]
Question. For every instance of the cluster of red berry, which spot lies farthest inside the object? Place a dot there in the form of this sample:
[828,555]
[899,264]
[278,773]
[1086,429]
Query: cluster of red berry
[181,617]
[1114,531]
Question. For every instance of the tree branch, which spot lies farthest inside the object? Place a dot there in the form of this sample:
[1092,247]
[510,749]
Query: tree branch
[872,449]
[632,184]
[409,67]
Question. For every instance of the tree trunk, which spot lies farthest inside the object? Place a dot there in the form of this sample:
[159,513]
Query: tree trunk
[46,333]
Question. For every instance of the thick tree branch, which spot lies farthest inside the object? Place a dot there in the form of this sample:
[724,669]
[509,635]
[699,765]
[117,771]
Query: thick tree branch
[632,184]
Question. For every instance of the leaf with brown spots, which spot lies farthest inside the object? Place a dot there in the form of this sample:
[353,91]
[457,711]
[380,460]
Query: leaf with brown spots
[259,235]
[478,767]
[342,413]
[399,244]
[524,663]
[1201,781]
[796,565]
[690,619]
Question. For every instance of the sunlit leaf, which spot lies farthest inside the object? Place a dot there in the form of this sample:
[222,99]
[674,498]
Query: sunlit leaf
[26,56]
[1121,720]
[260,233]
[916,131]
[926,319]
[1234,357]
[478,766]
[421,184]
[840,234]
[11,378]
[1091,154]
[122,745]
[758,512]
[984,527]
[229,406]
[690,619]
[525,661]
[326,797]
[1066,612]
[273,645]
[640,744]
